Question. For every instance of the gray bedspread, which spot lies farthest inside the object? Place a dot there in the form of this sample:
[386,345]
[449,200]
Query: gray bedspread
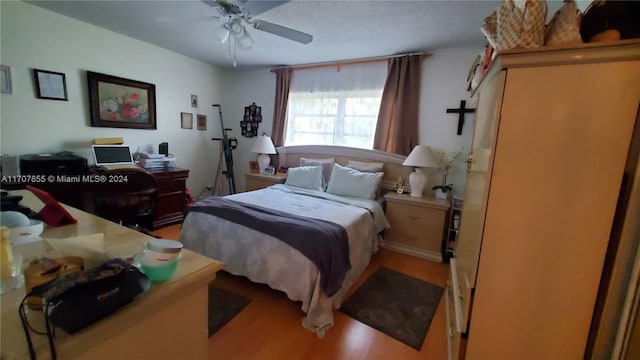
[323,242]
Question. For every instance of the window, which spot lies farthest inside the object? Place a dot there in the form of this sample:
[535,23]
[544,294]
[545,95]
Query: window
[335,106]
[345,118]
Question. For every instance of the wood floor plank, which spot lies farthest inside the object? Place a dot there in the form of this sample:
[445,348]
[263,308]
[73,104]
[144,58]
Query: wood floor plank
[270,327]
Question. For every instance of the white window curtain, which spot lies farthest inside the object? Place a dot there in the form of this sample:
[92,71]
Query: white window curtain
[335,105]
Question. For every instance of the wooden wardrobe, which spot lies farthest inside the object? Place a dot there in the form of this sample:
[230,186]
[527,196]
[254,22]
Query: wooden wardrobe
[551,139]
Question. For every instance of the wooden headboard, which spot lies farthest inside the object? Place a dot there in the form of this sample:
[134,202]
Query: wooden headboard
[290,156]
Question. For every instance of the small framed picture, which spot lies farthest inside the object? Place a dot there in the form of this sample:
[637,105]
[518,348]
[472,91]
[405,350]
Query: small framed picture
[50,85]
[258,110]
[247,111]
[186,120]
[5,79]
[202,122]
[254,168]
[258,118]
[270,170]
[194,101]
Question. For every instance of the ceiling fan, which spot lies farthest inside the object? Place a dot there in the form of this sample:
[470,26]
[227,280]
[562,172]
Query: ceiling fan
[234,14]
[236,17]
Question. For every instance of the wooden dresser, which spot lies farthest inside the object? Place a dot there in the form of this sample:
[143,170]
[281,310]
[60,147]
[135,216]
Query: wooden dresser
[171,196]
[551,137]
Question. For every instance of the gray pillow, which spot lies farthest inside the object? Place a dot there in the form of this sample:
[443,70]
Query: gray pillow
[365,166]
[327,165]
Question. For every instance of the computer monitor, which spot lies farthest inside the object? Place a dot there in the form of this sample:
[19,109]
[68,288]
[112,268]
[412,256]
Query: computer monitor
[106,155]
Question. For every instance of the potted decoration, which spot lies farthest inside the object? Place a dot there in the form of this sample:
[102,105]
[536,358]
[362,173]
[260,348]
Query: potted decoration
[447,164]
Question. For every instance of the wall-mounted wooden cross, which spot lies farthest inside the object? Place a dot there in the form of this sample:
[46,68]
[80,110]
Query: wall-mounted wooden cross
[461,111]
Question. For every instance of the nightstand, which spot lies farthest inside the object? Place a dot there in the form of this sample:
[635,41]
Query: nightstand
[417,225]
[254,181]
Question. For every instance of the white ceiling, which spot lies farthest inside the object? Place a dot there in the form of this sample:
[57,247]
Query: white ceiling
[342,30]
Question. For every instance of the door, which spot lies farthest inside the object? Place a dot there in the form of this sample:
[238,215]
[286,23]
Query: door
[476,190]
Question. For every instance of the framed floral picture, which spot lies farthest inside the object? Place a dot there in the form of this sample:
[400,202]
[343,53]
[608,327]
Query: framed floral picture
[121,103]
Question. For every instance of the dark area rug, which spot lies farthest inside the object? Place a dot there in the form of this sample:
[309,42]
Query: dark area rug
[396,304]
[223,306]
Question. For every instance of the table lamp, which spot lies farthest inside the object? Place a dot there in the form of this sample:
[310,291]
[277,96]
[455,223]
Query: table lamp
[421,156]
[263,146]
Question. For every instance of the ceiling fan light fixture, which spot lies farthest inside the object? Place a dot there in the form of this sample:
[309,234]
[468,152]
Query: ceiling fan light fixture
[245,41]
[222,33]
[235,27]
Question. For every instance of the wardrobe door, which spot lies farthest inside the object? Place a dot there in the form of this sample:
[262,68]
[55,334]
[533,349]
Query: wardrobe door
[477,189]
[563,141]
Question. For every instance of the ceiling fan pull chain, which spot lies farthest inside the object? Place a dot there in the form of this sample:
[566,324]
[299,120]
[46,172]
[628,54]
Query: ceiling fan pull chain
[235,48]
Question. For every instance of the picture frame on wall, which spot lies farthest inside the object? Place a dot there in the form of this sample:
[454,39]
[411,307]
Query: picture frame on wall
[5,80]
[202,122]
[50,85]
[186,120]
[194,101]
[121,103]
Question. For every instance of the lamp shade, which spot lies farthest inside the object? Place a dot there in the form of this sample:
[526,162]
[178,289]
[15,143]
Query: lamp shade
[421,156]
[244,41]
[263,145]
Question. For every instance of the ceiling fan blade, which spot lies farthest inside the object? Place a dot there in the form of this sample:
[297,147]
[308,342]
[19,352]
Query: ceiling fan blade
[173,20]
[253,7]
[258,7]
[282,31]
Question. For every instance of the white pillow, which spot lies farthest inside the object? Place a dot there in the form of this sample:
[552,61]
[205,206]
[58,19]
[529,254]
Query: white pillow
[327,165]
[365,166]
[350,182]
[308,177]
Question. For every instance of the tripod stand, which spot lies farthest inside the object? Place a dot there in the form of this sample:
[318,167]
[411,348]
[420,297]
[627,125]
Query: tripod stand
[228,145]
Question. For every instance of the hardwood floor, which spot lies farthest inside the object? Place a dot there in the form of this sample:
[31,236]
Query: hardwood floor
[270,327]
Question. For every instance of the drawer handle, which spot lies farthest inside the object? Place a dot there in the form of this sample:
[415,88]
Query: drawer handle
[413,217]
[451,330]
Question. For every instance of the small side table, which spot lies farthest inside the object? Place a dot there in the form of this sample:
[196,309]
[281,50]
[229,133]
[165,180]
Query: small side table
[417,225]
[255,181]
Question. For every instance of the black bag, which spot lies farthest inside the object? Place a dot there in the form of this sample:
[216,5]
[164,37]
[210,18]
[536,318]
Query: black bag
[79,299]
[623,16]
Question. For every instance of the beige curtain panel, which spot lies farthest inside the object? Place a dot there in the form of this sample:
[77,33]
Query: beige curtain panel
[283,83]
[397,128]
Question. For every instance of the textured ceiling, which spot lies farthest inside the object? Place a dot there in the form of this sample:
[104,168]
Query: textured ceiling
[341,30]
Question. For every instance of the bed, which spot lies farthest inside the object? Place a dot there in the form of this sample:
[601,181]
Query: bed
[250,246]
